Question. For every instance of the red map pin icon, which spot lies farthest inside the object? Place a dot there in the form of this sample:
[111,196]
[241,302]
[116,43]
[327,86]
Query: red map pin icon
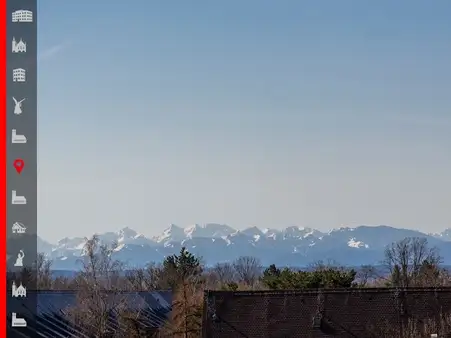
[19,165]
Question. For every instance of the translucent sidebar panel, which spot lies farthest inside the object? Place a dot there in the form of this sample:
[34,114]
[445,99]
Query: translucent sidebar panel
[22,167]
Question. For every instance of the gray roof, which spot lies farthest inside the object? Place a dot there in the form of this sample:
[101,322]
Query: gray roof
[45,310]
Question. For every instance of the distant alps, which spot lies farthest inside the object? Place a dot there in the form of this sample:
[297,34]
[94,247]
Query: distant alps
[293,246]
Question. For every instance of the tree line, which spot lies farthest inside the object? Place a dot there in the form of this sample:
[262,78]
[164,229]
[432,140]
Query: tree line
[408,263]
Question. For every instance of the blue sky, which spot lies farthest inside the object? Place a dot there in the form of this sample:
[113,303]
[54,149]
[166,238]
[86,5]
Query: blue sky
[309,113]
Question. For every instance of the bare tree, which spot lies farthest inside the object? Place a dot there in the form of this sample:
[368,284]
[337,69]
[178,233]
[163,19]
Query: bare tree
[365,275]
[63,283]
[407,260]
[324,265]
[99,266]
[224,272]
[248,269]
[44,273]
[136,279]
[150,278]
[98,295]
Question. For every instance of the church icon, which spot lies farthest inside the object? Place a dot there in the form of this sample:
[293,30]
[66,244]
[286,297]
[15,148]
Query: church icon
[18,291]
[19,46]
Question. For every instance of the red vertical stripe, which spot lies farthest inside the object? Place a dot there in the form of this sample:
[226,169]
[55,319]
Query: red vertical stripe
[3,164]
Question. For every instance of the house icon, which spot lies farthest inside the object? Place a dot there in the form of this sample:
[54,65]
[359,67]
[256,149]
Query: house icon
[18,46]
[18,228]
[18,291]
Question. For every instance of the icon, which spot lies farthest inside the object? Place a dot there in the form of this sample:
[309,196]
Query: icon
[19,164]
[19,75]
[19,260]
[18,199]
[18,291]
[19,47]
[18,106]
[17,322]
[22,15]
[18,228]
[17,138]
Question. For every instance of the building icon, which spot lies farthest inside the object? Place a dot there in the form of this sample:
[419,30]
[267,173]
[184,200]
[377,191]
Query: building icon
[22,15]
[18,291]
[18,46]
[17,322]
[19,75]
[18,228]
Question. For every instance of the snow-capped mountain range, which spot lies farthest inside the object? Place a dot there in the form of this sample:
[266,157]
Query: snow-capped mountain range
[294,246]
